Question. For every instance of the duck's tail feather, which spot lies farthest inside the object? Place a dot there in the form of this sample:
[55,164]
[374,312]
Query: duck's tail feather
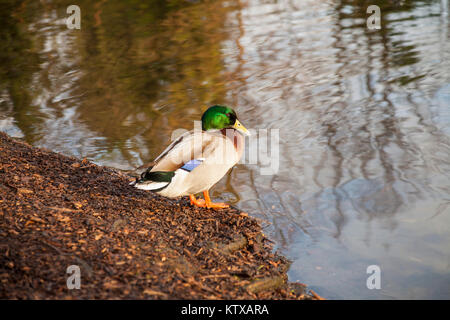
[155,181]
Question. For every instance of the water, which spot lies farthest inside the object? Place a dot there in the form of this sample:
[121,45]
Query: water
[364,117]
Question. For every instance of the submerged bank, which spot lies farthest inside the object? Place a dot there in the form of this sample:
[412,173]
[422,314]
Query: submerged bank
[57,211]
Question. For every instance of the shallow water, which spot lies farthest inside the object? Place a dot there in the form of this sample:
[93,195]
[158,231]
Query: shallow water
[363,173]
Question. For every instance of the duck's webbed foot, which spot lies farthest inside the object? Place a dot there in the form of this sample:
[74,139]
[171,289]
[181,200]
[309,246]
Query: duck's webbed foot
[214,205]
[207,203]
[197,202]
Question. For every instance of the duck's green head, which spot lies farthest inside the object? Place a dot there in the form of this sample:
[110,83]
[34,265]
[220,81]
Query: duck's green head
[221,117]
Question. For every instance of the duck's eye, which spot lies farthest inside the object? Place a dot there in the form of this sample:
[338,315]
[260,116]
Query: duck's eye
[232,117]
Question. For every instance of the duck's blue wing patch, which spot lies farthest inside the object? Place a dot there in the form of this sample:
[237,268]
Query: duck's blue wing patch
[192,164]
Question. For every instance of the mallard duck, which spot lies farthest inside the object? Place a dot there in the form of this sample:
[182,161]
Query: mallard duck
[198,159]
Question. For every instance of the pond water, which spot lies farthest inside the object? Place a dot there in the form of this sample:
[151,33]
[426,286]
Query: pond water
[363,173]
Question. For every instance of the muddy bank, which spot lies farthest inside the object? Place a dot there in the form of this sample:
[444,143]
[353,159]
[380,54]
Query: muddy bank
[57,211]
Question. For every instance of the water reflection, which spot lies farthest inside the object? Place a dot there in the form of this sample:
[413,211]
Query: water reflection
[359,143]
[123,82]
[363,115]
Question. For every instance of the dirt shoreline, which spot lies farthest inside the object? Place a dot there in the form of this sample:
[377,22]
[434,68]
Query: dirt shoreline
[57,211]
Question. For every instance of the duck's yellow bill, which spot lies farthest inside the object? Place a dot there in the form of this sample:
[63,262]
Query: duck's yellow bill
[239,127]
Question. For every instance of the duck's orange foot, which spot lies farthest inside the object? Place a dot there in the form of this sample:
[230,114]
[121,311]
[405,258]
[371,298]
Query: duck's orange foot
[217,205]
[197,202]
[213,205]
[207,203]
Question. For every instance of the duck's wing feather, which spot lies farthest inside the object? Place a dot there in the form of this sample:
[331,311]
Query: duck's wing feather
[193,145]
